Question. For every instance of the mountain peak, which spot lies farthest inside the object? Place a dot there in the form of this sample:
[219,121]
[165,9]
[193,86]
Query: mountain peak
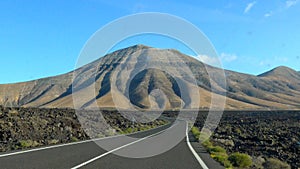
[142,46]
[278,87]
[138,46]
[283,68]
[280,71]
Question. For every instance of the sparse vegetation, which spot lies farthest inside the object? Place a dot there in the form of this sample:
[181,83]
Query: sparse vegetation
[195,132]
[273,163]
[74,139]
[13,112]
[216,152]
[222,159]
[141,127]
[27,143]
[260,134]
[127,130]
[54,141]
[220,155]
[207,144]
[216,149]
[240,160]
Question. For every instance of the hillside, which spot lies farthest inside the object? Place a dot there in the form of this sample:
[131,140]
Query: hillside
[276,89]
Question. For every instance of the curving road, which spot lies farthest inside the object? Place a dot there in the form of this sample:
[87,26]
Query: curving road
[88,154]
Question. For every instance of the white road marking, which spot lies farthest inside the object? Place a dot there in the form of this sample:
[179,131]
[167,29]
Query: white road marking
[98,157]
[201,162]
[116,149]
[54,146]
[69,144]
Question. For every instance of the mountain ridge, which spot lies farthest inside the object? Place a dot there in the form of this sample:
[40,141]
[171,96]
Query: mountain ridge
[280,70]
[276,89]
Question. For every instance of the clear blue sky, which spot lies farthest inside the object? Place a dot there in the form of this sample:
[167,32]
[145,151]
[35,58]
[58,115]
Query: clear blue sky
[43,38]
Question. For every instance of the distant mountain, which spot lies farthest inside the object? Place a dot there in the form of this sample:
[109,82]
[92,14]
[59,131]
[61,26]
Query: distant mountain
[282,72]
[276,89]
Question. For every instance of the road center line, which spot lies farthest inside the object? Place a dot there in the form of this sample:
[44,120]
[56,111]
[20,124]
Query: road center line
[116,149]
[201,162]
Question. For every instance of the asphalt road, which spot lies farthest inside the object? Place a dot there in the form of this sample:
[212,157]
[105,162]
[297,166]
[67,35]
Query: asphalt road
[120,152]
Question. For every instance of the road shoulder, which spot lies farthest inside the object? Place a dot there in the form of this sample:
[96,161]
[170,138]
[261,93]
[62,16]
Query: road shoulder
[203,154]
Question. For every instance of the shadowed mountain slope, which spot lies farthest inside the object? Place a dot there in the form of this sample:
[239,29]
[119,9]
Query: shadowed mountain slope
[92,84]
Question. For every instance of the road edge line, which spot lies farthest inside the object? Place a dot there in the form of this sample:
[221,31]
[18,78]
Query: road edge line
[200,161]
[73,143]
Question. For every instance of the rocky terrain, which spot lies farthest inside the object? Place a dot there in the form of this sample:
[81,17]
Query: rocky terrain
[278,88]
[22,128]
[269,134]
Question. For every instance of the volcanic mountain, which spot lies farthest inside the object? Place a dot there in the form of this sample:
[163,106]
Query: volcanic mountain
[95,84]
